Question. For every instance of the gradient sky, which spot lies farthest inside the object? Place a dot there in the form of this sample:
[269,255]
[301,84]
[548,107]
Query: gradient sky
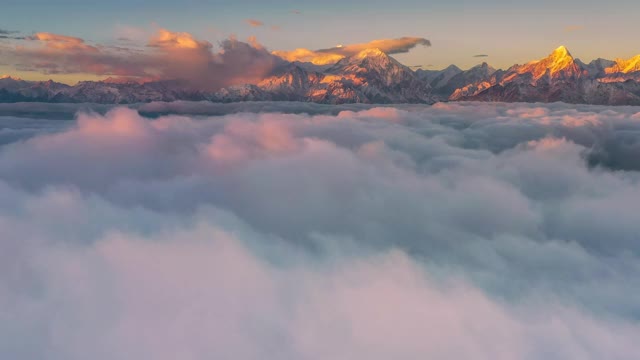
[509,31]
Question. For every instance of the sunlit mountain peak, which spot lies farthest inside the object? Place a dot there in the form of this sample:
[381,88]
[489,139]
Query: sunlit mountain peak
[561,52]
[625,66]
[10,77]
[559,61]
[371,52]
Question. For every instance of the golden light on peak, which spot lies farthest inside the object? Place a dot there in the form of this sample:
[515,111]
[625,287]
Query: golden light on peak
[625,66]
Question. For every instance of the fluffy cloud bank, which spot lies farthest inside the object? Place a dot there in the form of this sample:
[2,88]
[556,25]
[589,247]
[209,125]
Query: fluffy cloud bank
[332,55]
[167,56]
[485,231]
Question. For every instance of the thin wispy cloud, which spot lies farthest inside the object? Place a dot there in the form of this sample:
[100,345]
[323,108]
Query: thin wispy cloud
[480,56]
[573,28]
[10,35]
[254,22]
[132,33]
[56,42]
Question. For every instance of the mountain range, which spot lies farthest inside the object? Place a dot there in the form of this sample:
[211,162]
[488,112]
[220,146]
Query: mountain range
[372,76]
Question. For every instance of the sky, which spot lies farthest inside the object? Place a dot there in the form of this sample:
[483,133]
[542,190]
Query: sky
[508,32]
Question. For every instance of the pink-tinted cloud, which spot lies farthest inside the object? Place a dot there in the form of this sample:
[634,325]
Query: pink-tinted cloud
[326,56]
[167,56]
[62,43]
[55,54]
[275,236]
[166,39]
[254,22]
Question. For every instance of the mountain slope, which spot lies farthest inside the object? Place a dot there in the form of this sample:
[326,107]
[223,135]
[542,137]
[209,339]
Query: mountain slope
[559,77]
[559,65]
[371,76]
[477,74]
[374,77]
[438,78]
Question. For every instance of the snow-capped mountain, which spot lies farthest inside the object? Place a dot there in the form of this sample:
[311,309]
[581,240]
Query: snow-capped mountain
[597,67]
[560,77]
[622,70]
[438,78]
[476,74]
[371,76]
[12,90]
[558,66]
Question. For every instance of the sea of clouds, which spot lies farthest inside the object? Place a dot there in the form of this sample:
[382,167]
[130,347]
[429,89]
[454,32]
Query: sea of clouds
[303,231]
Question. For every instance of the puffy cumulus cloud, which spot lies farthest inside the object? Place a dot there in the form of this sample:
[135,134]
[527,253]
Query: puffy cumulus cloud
[183,57]
[489,231]
[167,56]
[332,55]
[203,291]
[166,39]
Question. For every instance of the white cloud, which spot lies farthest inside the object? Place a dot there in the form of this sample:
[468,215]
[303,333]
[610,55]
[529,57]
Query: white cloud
[487,231]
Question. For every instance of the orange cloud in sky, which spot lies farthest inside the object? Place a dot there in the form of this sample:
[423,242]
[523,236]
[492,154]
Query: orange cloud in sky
[177,40]
[62,42]
[332,55]
[306,55]
[168,56]
[254,22]
[573,28]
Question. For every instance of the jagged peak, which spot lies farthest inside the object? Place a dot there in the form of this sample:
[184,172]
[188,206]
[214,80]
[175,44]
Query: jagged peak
[370,52]
[452,67]
[15,78]
[484,65]
[625,66]
[561,52]
[558,61]
[601,61]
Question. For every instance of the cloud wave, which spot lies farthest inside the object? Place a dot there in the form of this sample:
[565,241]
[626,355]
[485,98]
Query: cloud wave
[253,231]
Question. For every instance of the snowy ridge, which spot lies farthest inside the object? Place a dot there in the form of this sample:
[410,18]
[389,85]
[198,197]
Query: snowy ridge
[371,76]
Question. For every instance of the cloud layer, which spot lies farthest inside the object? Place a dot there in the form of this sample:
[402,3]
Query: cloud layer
[167,56]
[332,55]
[486,231]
